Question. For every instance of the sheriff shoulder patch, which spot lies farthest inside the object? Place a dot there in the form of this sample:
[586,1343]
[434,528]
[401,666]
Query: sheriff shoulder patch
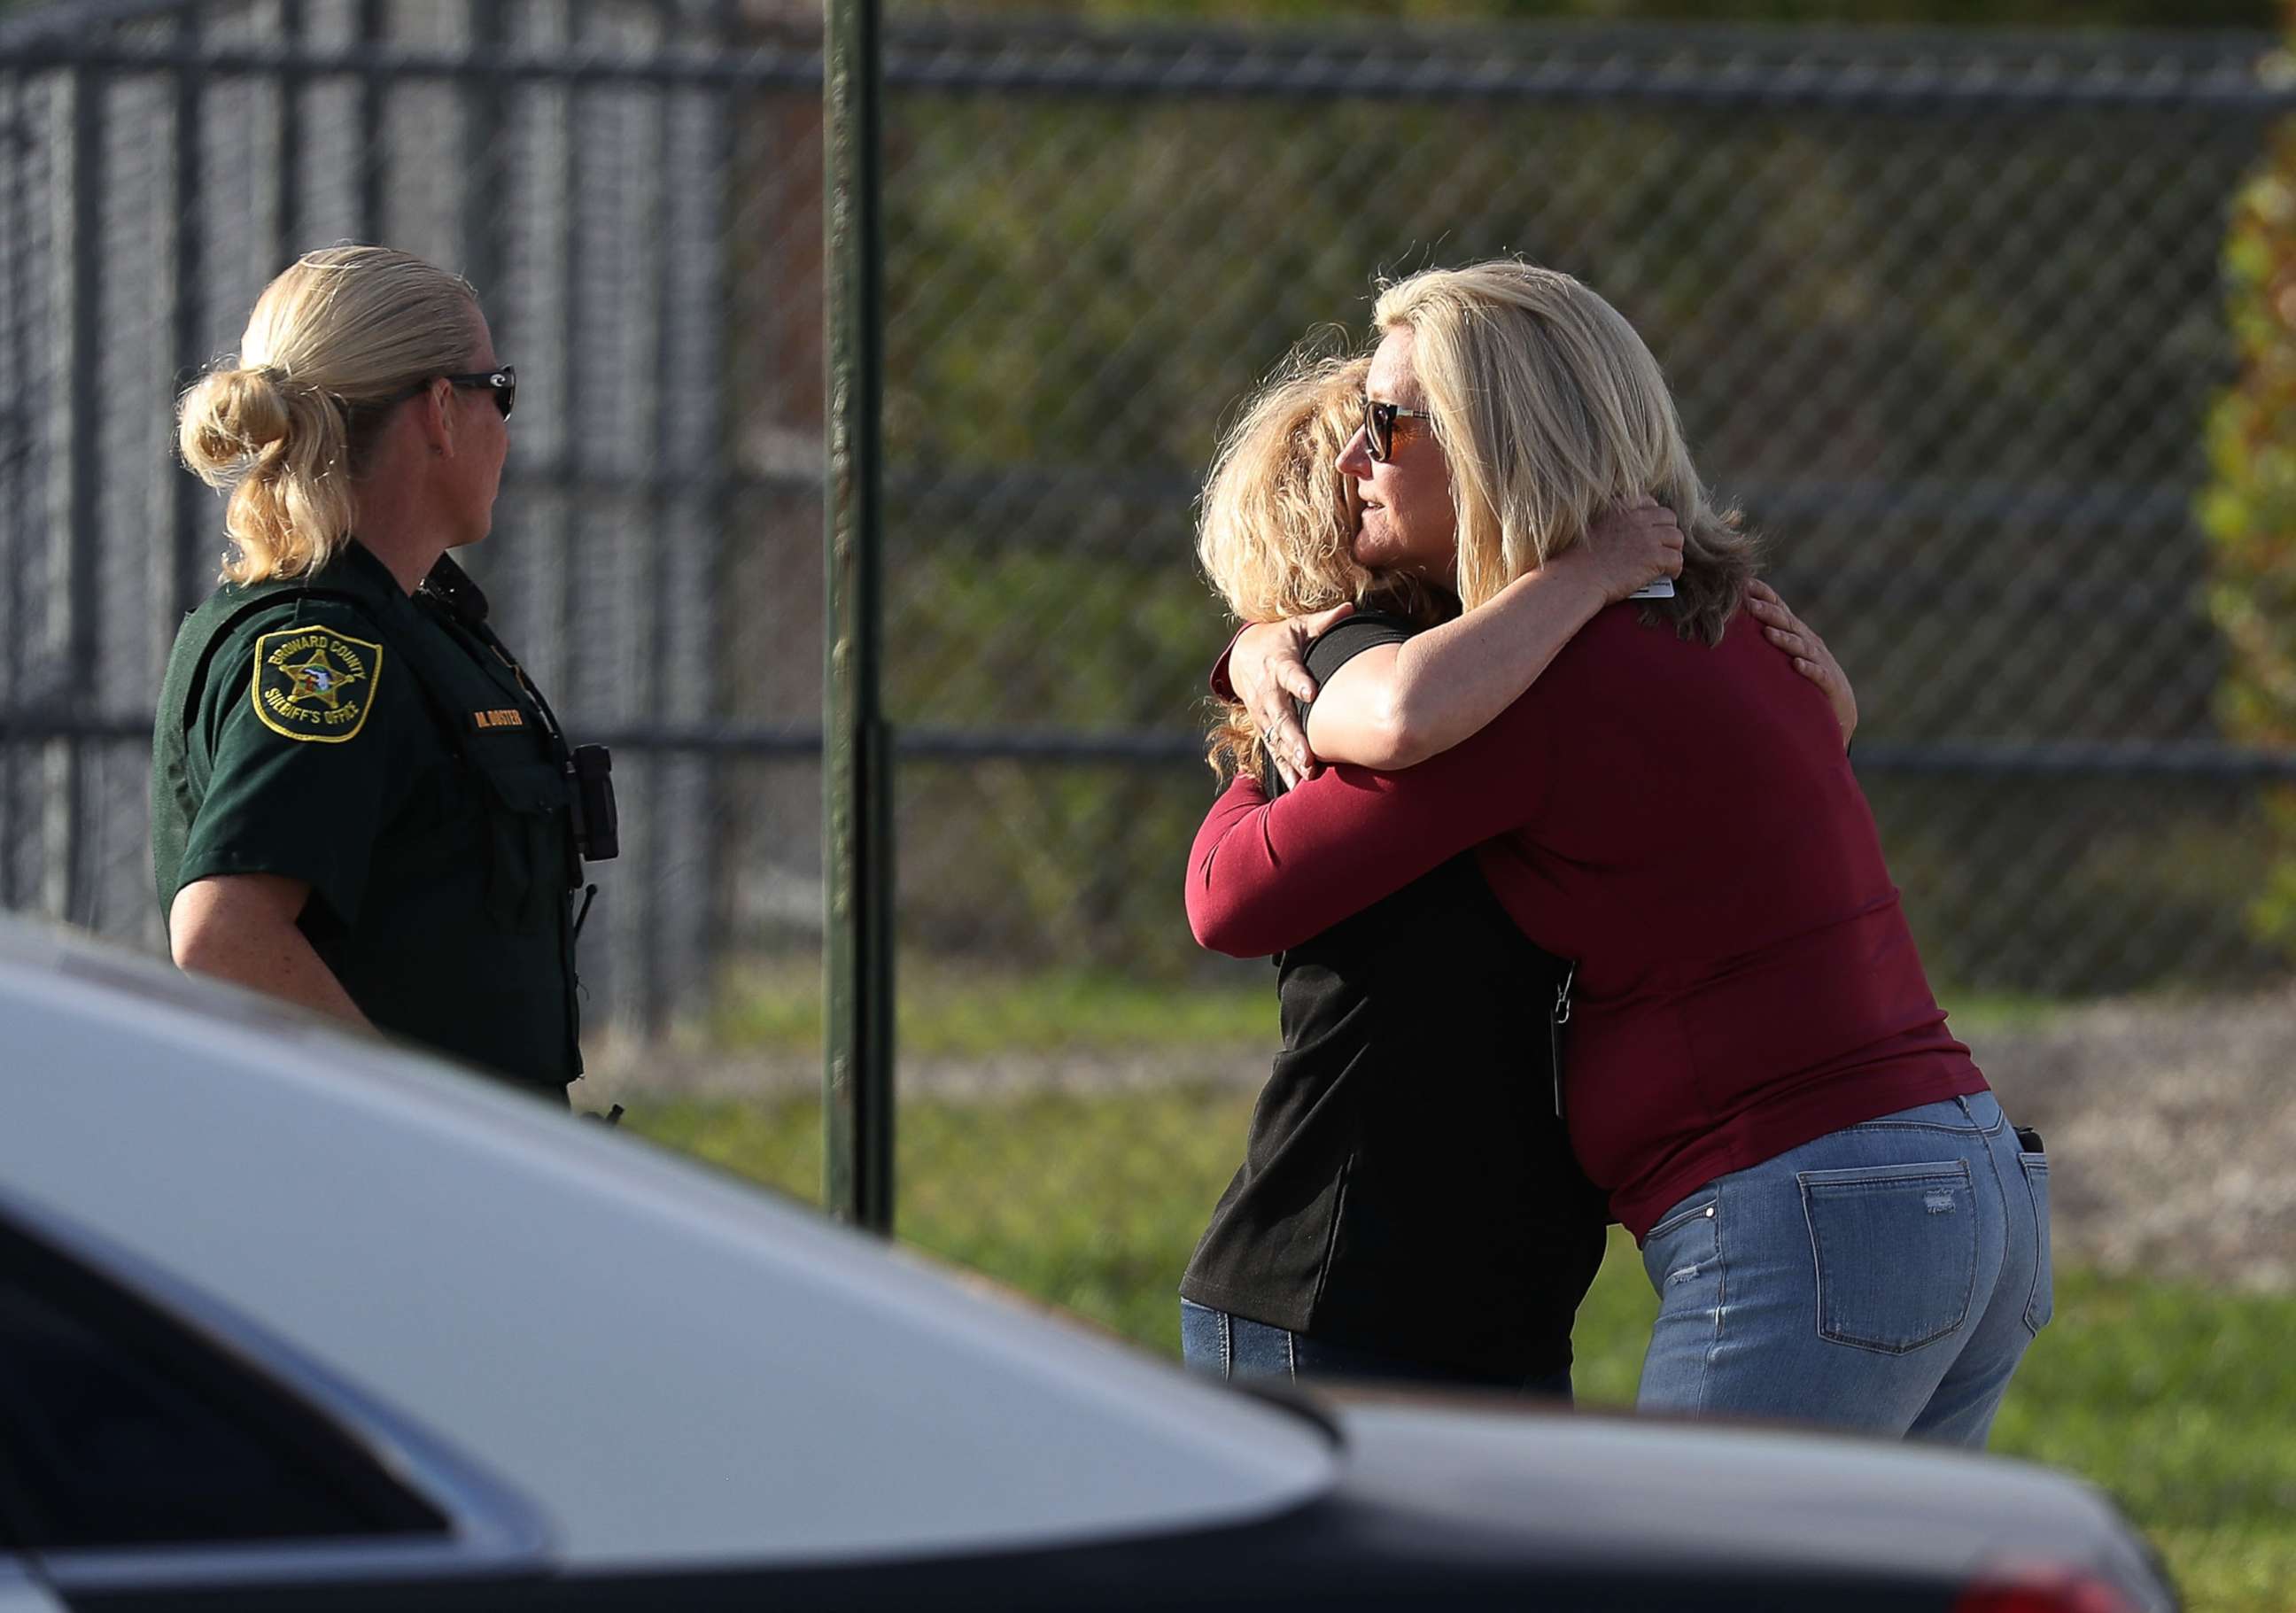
[314,684]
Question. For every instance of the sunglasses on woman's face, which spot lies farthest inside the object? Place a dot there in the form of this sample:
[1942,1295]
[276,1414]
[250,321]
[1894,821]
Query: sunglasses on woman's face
[502,384]
[1379,426]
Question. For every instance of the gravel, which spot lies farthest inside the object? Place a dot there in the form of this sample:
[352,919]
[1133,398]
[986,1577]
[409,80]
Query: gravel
[2171,1134]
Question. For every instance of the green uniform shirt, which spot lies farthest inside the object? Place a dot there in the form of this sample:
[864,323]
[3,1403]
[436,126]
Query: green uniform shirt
[384,748]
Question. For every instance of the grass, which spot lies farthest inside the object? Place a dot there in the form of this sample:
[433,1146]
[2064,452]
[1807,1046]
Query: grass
[1981,1013]
[948,1010]
[2178,1399]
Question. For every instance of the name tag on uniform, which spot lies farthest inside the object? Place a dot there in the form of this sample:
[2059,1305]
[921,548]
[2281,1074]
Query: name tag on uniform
[504,716]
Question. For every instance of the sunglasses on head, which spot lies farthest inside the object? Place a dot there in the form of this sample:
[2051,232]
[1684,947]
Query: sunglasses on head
[1379,426]
[502,384]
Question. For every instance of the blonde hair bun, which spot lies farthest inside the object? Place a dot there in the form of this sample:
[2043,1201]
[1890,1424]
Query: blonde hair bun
[231,417]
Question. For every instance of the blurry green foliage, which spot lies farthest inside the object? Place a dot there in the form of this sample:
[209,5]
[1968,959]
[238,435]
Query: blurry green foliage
[1076,864]
[1966,313]
[2250,507]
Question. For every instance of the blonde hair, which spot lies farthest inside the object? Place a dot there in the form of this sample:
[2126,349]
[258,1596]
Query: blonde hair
[1277,534]
[1550,409]
[286,424]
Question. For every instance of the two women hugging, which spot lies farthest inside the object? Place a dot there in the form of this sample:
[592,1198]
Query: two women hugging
[1579,911]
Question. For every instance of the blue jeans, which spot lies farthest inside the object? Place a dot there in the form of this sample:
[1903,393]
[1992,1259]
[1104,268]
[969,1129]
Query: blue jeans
[1229,1347]
[1886,1278]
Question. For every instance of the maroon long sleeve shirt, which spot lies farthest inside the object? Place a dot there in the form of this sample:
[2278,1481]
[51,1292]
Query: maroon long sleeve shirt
[1681,822]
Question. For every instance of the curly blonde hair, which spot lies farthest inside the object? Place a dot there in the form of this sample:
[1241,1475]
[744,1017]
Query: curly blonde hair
[285,424]
[1277,530]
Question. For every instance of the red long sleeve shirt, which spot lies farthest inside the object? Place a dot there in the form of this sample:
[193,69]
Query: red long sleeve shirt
[1681,822]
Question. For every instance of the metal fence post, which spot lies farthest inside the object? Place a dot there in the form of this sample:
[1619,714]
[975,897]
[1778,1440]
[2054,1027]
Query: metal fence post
[73,545]
[287,173]
[190,572]
[857,1076]
[371,27]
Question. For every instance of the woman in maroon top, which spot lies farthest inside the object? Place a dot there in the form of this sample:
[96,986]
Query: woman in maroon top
[1837,1221]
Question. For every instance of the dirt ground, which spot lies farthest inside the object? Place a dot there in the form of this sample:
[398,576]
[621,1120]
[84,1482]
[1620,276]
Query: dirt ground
[2171,1134]
[2170,1128]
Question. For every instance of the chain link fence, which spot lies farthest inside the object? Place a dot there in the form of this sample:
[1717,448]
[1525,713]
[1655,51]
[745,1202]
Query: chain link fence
[1941,312]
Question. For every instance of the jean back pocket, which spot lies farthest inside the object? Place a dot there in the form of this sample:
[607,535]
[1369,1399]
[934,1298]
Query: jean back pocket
[2041,1303]
[1895,1248]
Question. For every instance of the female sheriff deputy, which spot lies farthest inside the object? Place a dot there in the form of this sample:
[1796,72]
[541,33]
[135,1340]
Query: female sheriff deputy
[359,802]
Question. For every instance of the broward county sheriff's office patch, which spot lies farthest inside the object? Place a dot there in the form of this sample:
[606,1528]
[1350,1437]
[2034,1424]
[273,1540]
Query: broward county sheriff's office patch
[314,684]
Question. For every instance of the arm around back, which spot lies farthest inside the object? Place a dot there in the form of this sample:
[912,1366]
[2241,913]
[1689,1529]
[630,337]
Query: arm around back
[1264,875]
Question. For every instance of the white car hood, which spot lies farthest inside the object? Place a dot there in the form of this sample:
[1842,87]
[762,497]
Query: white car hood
[672,1366]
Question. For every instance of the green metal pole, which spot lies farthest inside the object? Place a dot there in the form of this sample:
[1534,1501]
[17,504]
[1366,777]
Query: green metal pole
[857,780]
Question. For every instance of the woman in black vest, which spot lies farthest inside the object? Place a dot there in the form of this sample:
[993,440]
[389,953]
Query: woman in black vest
[1406,1207]
[359,802]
